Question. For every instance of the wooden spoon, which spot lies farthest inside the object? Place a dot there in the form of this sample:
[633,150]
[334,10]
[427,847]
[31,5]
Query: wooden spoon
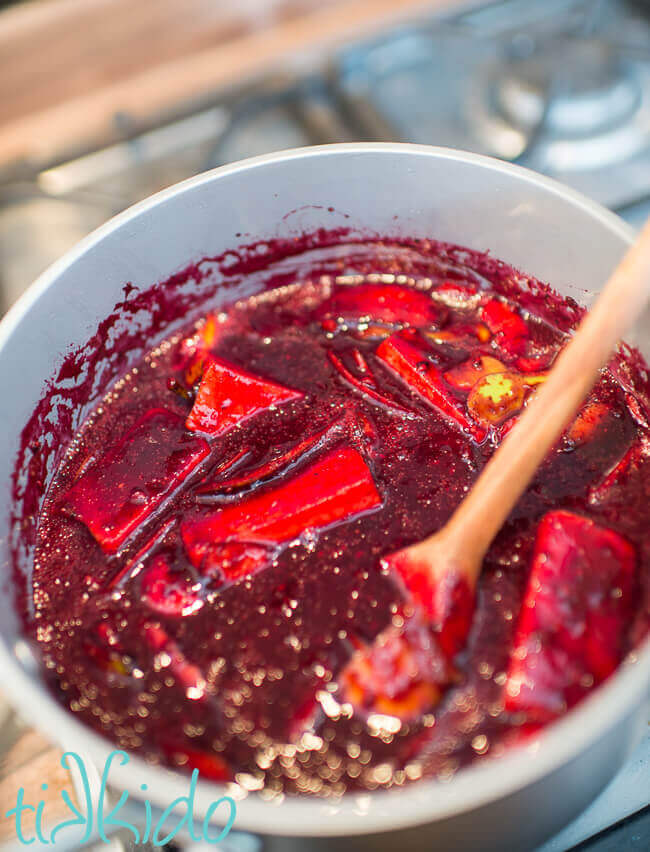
[443,569]
[457,550]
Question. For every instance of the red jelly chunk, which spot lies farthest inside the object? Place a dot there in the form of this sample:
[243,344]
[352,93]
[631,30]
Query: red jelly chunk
[447,599]
[388,303]
[133,479]
[335,488]
[577,608]
[189,676]
[510,329]
[228,395]
[209,765]
[401,354]
[169,592]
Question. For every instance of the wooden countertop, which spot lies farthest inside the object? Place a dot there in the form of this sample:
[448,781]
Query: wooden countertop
[69,67]
[29,762]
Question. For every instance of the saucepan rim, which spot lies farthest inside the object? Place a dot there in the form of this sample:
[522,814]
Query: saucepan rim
[354,813]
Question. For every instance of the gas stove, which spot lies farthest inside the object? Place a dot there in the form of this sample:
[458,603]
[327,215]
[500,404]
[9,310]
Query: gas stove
[562,87]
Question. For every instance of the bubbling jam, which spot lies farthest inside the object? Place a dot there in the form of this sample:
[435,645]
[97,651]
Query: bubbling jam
[212,583]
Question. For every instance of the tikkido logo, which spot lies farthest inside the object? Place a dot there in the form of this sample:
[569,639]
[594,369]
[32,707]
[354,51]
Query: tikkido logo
[97,824]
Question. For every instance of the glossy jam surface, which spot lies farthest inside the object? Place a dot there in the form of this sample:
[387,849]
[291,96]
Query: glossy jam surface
[209,555]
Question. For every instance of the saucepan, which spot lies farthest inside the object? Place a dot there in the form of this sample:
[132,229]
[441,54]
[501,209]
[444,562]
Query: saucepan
[513,802]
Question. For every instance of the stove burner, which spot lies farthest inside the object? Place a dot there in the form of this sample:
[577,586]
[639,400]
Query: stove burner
[588,90]
[573,105]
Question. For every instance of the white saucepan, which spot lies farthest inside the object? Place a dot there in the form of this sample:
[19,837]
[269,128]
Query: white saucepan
[543,228]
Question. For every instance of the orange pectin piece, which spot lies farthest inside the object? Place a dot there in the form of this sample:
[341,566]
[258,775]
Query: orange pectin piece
[463,334]
[588,420]
[465,375]
[209,331]
[496,397]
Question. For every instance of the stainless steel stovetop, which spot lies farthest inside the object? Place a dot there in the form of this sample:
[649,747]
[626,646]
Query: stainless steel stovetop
[559,86]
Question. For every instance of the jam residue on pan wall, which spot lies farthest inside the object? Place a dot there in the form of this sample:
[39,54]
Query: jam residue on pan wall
[199,544]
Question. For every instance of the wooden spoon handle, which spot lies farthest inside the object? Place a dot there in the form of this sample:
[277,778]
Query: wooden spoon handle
[480,516]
